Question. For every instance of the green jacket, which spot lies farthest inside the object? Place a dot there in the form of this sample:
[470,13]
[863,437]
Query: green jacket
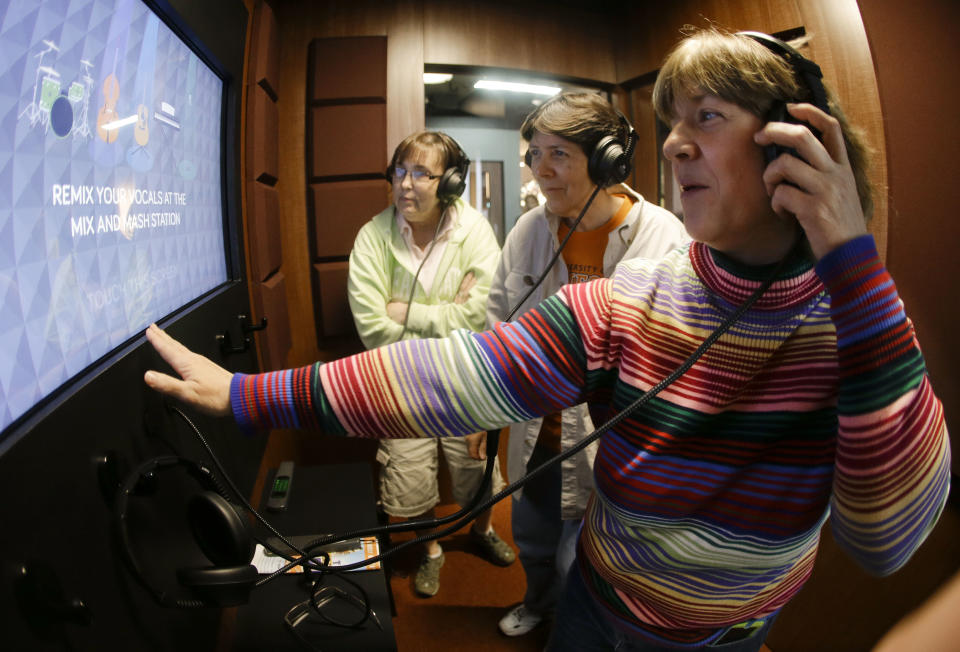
[382,270]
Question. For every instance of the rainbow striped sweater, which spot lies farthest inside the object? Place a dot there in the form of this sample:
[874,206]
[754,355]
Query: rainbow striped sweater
[709,500]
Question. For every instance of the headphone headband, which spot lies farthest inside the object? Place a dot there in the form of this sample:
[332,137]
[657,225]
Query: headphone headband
[231,546]
[806,71]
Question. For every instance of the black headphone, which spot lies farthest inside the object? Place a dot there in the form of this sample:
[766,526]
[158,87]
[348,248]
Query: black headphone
[808,75]
[220,531]
[611,160]
[453,181]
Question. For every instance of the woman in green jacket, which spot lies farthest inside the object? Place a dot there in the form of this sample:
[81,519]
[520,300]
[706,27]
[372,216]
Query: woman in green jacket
[422,268]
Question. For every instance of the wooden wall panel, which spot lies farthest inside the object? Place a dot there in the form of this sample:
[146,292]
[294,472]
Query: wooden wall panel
[646,171]
[918,80]
[405,95]
[340,209]
[274,305]
[348,139]
[265,51]
[266,254]
[261,174]
[330,56]
[263,122]
[540,36]
[659,27]
[333,308]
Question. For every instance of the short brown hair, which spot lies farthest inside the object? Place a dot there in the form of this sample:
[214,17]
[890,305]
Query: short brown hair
[737,69]
[424,141]
[581,118]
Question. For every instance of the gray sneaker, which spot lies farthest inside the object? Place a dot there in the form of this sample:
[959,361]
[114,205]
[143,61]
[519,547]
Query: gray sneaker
[495,549]
[427,580]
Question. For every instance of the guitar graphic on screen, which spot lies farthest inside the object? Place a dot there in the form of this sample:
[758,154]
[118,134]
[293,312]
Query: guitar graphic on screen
[141,133]
[108,112]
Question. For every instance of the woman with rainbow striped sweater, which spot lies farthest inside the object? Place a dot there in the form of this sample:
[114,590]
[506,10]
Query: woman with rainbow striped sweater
[709,500]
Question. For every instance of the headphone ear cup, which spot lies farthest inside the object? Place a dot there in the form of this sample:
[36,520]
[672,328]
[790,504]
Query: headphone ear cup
[221,532]
[454,179]
[528,159]
[608,164]
[452,184]
[778,113]
[224,537]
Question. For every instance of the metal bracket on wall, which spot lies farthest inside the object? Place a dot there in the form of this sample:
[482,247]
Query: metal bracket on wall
[226,341]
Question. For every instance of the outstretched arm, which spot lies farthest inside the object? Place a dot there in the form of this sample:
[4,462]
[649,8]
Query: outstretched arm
[203,384]
[458,385]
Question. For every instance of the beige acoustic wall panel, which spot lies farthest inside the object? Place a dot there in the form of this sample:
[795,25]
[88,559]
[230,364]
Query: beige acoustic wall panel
[348,140]
[263,124]
[265,249]
[339,210]
[346,152]
[350,68]
[276,343]
[333,308]
[265,50]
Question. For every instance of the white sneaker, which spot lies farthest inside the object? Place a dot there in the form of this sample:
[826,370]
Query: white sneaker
[519,621]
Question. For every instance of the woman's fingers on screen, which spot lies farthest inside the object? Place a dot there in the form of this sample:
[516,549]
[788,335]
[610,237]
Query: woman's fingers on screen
[204,385]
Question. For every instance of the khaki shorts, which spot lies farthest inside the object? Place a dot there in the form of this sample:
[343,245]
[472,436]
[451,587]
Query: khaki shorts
[408,477]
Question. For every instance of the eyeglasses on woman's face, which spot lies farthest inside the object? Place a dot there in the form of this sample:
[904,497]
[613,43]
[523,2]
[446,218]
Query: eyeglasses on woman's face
[417,176]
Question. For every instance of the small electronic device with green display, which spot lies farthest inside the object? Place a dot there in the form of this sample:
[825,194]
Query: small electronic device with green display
[280,491]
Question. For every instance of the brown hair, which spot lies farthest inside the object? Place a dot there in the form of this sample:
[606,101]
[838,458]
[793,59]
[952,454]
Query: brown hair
[451,153]
[581,118]
[737,69]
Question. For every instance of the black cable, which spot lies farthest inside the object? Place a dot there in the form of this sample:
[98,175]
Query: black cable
[493,436]
[458,517]
[236,491]
[307,552]
[556,254]
[413,287]
[362,602]
[464,515]
[597,433]
[493,440]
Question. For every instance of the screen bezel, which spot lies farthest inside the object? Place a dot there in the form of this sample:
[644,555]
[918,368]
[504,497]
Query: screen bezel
[230,224]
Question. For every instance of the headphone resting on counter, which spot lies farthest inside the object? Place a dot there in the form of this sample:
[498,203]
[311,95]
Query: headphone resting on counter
[219,530]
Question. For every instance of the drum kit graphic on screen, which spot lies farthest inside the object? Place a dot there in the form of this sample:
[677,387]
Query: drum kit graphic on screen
[53,106]
[65,109]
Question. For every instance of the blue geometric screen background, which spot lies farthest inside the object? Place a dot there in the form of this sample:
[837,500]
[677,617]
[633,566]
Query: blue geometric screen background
[110,191]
